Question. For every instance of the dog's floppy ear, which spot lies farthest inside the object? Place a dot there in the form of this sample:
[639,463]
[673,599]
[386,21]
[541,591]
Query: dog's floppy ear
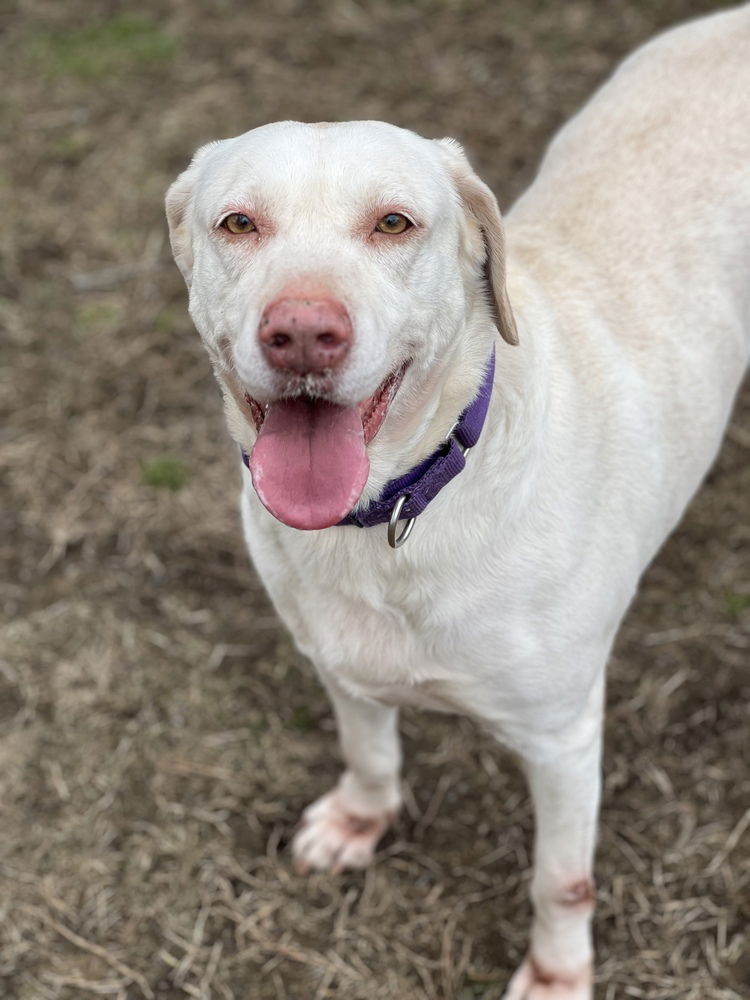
[178,201]
[481,205]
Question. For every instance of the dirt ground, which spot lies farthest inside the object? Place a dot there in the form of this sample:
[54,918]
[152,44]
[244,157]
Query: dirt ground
[159,735]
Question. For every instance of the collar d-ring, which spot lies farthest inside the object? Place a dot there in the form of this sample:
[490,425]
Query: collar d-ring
[397,538]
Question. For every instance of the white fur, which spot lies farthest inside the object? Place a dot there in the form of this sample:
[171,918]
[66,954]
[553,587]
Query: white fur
[627,272]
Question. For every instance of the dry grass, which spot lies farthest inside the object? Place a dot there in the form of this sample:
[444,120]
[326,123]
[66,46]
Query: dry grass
[158,734]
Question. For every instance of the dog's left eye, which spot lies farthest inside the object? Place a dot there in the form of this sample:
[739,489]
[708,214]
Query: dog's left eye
[238,223]
[394,223]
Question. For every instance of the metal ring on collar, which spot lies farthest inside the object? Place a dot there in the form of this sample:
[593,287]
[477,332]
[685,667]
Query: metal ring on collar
[397,540]
[463,448]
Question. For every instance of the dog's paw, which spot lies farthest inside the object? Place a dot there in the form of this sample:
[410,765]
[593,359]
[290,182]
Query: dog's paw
[332,838]
[532,982]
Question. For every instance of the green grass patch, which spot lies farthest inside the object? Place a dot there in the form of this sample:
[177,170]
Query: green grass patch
[10,113]
[113,48]
[165,473]
[171,319]
[71,147]
[93,316]
[303,719]
[735,604]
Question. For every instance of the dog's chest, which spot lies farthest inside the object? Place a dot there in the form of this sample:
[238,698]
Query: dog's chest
[390,630]
[421,625]
[405,653]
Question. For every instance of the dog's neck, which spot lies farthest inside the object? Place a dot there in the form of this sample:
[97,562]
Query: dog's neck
[451,385]
[409,495]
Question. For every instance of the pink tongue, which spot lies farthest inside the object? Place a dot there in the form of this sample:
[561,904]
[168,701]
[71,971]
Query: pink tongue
[309,464]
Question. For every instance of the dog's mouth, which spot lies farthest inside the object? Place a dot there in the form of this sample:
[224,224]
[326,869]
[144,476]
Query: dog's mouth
[310,464]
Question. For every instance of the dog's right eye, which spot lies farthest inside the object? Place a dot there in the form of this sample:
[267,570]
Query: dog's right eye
[394,224]
[238,223]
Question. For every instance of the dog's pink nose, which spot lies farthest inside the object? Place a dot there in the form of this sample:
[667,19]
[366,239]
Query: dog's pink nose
[307,336]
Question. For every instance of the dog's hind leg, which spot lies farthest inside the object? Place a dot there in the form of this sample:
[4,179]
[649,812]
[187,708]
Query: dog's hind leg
[563,771]
[342,829]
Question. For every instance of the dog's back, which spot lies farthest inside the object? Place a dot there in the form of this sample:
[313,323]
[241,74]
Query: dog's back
[659,156]
[638,229]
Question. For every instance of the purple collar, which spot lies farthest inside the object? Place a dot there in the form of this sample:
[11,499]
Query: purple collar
[405,498]
[422,484]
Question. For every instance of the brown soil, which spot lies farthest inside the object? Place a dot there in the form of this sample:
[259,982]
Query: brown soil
[159,736]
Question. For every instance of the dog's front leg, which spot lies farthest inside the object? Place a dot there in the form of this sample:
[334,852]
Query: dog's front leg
[341,829]
[563,771]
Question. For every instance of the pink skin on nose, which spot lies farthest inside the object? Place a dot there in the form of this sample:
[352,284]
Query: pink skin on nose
[305,335]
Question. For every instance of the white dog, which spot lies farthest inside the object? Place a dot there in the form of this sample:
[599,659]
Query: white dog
[349,281]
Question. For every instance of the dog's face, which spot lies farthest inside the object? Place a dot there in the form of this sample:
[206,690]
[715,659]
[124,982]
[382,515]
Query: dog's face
[327,264]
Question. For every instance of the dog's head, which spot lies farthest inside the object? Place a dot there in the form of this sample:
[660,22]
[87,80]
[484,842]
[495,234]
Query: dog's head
[336,273]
